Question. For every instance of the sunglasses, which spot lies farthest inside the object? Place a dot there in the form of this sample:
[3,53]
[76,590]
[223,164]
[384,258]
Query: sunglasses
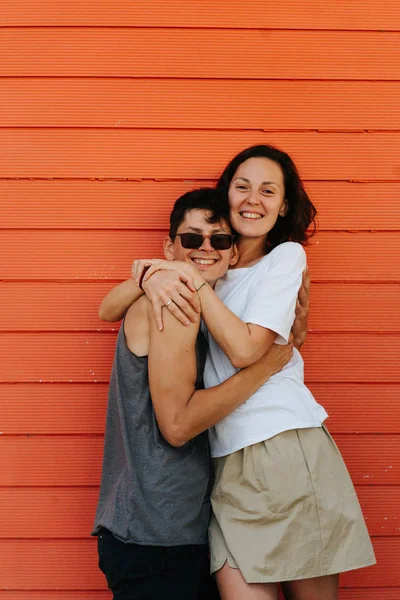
[193,241]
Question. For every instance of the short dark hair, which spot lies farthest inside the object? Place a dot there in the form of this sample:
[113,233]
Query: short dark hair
[212,200]
[301,212]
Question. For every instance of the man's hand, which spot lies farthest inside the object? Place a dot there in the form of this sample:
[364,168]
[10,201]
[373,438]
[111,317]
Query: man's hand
[300,325]
[169,283]
[276,357]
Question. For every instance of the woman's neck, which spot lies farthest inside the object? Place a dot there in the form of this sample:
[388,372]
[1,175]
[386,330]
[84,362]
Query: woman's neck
[251,250]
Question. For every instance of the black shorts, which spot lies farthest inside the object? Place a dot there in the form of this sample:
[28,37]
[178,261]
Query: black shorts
[135,572]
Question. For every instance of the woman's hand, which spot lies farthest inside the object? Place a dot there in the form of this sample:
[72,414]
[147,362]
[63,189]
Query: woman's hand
[300,325]
[152,265]
[169,283]
[138,266]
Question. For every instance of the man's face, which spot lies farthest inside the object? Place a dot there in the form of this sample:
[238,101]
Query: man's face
[212,263]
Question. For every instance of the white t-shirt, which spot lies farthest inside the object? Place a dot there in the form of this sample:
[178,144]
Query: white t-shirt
[264,295]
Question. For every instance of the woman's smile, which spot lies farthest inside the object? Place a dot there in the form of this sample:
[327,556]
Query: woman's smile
[256,197]
[250,215]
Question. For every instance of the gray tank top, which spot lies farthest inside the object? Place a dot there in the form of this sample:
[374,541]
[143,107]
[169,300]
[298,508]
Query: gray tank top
[151,493]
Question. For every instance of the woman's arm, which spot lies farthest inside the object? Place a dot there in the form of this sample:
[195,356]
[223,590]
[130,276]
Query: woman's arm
[244,342]
[161,287]
[181,411]
[114,306]
[177,282]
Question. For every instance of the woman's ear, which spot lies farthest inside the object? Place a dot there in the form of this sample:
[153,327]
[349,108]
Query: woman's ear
[234,256]
[169,249]
[284,209]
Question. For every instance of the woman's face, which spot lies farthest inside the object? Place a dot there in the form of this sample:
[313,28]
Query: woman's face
[256,197]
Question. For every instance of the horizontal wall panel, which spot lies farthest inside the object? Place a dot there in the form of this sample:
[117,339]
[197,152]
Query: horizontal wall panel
[353,358]
[384,573]
[345,594]
[87,357]
[310,14]
[354,307]
[47,357]
[80,408]
[357,408]
[34,306]
[381,509]
[101,255]
[357,594]
[355,206]
[34,460]
[69,512]
[332,105]
[163,154]
[53,306]
[143,204]
[34,408]
[51,564]
[50,460]
[365,467]
[225,54]
[99,204]
[59,512]
[80,595]
[37,566]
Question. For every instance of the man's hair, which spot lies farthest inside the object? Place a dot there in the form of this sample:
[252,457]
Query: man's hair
[214,201]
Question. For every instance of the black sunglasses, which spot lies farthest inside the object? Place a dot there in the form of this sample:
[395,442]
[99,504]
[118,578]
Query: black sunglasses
[193,241]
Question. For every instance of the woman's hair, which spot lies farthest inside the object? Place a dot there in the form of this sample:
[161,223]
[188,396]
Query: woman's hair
[300,213]
[213,201]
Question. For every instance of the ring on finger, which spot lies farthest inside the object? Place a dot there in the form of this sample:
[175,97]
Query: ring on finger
[168,303]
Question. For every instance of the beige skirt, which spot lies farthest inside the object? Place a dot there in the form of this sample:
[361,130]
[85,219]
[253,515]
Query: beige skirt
[286,509]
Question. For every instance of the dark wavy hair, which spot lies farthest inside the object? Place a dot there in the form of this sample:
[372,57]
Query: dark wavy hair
[298,225]
[213,201]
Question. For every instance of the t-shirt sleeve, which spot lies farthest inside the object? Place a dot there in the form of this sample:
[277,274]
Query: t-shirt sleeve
[274,291]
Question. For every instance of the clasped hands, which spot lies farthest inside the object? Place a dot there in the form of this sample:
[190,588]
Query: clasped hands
[174,285]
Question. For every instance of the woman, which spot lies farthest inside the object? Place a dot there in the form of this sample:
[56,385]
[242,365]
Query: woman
[285,509]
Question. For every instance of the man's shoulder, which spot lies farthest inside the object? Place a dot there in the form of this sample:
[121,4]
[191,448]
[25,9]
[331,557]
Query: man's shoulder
[136,327]
[138,309]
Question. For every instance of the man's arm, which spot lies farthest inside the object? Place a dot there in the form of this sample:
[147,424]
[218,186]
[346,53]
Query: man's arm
[181,411]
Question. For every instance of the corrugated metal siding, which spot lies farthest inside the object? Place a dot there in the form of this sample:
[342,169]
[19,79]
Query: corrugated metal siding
[108,111]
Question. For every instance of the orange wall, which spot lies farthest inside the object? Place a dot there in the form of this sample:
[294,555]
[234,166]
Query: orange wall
[108,111]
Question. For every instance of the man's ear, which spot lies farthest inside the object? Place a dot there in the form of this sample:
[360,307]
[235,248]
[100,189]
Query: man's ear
[169,249]
[284,209]
[234,256]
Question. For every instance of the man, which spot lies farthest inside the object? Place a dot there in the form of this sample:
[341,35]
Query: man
[154,508]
